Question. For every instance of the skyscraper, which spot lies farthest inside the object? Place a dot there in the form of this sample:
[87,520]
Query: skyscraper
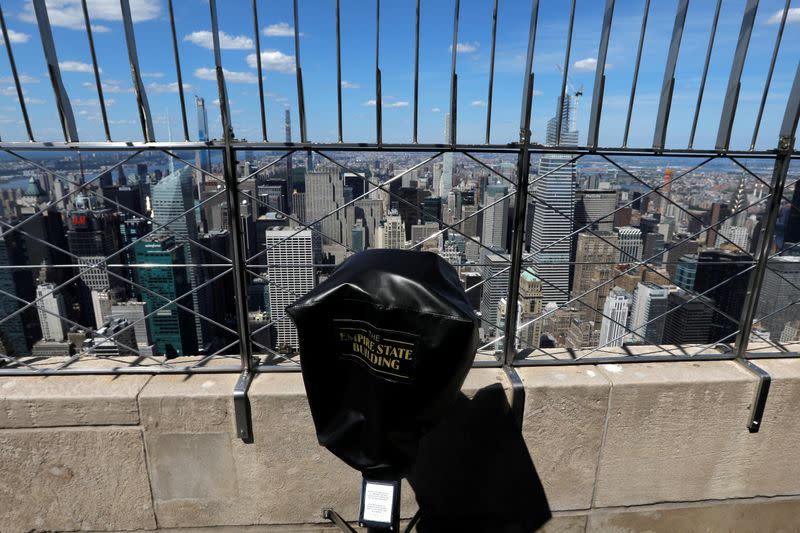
[594,207]
[630,244]
[688,319]
[615,311]
[289,170]
[595,259]
[778,295]
[551,242]
[172,202]
[13,339]
[325,195]
[203,156]
[173,330]
[647,313]
[51,310]
[393,231]
[446,180]
[714,267]
[495,273]
[290,267]
[495,218]
[530,299]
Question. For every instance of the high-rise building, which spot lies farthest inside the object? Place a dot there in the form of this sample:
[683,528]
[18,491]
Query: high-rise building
[495,274]
[446,180]
[495,218]
[359,236]
[17,332]
[595,258]
[682,246]
[779,295]
[630,244]
[173,330]
[51,312]
[595,208]
[733,237]
[551,241]
[686,272]
[615,318]
[290,267]
[470,221]
[713,268]
[325,196]
[203,156]
[530,299]
[582,334]
[648,313]
[289,170]
[688,319]
[134,312]
[393,231]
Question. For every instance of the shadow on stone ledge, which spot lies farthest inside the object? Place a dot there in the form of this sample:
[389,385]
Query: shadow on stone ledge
[474,473]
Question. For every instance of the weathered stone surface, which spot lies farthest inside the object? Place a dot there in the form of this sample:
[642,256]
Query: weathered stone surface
[775,516]
[676,432]
[73,479]
[27,401]
[565,413]
[565,523]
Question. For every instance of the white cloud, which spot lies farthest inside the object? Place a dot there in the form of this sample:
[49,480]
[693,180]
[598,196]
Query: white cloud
[347,85]
[109,86]
[399,103]
[166,87]
[204,73]
[69,14]
[205,39]
[478,103]
[152,74]
[273,60]
[8,91]
[91,102]
[585,65]
[16,37]
[465,48]
[281,29]
[435,110]
[75,66]
[33,101]
[792,17]
[537,92]
[23,78]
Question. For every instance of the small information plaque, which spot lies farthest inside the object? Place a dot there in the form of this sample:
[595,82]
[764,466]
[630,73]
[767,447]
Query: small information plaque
[379,504]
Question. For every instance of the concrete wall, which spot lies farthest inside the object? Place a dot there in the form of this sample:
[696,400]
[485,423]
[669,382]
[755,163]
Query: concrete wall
[641,447]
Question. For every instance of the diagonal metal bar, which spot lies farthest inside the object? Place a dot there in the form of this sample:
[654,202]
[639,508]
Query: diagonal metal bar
[667,86]
[301,105]
[560,110]
[96,69]
[734,81]
[138,87]
[178,70]
[600,77]
[703,78]
[222,90]
[454,77]
[63,106]
[491,74]
[22,106]
[636,72]
[261,104]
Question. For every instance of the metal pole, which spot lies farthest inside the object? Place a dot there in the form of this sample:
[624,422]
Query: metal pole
[96,69]
[520,202]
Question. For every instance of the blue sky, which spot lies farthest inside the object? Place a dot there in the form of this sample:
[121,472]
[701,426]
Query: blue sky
[318,56]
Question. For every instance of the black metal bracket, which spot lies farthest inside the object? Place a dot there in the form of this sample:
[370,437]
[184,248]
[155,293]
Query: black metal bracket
[517,395]
[762,391]
[241,406]
[338,521]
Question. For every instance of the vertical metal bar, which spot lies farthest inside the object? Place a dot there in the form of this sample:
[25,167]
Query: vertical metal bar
[260,73]
[416,78]
[705,73]
[96,69]
[600,77]
[636,73]
[64,108]
[17,83]
[378,102]
[301,105]
[769,74]
[665,102]
[178,70]
[520,201]
[561,102]
[783,159]
[339,69]
[734,81]
[491,74]
[454,78]
[138,87]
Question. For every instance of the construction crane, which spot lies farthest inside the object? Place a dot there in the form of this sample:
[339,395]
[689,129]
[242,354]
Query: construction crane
[576,94]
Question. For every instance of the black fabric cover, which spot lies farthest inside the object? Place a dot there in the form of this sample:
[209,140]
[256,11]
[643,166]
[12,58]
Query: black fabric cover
[385,345]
